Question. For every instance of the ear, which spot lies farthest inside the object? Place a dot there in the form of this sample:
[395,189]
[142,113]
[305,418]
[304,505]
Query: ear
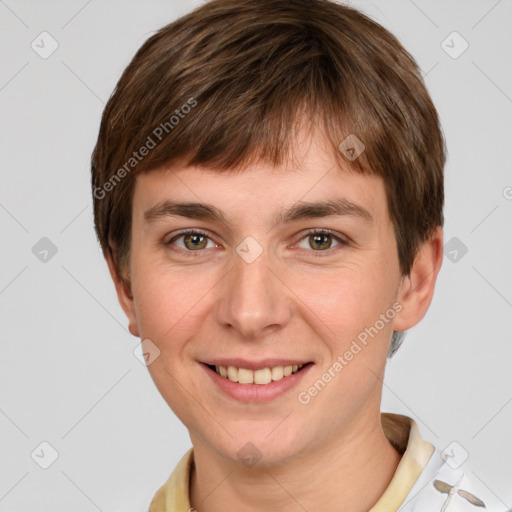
[417,289]
[124,295]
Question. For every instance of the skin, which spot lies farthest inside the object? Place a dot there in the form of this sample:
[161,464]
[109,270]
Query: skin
[294,301]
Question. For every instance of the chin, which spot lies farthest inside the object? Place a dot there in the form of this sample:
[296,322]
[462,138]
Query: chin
[257,447]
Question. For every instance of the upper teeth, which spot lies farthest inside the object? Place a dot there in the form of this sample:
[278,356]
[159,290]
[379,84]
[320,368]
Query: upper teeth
[263,376]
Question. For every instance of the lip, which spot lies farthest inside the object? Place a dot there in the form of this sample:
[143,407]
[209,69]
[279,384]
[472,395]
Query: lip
[254,365]
[257,392]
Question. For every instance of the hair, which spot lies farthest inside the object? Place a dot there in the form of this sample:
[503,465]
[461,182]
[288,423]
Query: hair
[229,83]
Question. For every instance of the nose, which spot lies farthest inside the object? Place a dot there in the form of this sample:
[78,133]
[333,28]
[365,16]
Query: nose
[254,300]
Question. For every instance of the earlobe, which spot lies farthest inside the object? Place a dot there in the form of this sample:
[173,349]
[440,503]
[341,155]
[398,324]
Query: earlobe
[124,296]
[417,289]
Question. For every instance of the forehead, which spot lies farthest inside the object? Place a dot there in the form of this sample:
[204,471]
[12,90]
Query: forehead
[263,191]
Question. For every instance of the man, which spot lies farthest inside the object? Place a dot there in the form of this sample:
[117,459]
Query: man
[268,189]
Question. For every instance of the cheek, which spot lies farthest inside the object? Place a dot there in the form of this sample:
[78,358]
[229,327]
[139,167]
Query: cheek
[170,307]
[344,301]
[169,302]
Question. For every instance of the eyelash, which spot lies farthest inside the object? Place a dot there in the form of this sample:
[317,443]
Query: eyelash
[342,242]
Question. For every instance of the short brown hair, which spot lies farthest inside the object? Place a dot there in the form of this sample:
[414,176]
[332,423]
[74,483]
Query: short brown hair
[247,70]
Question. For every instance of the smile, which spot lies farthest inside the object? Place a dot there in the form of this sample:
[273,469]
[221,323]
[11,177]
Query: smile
[261,376]
[248,380]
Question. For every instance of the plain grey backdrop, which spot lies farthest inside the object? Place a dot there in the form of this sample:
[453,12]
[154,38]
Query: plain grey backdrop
[74,397]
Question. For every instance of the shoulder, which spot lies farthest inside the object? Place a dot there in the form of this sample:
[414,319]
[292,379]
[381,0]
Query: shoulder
[173,495]
[444,485]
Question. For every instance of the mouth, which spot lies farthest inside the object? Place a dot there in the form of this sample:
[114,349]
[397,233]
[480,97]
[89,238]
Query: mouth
[260,376]
[263,381]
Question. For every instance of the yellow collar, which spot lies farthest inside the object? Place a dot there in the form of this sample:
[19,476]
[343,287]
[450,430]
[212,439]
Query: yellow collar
[404,435]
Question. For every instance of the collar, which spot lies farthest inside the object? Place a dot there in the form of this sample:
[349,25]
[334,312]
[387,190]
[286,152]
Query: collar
[404,435]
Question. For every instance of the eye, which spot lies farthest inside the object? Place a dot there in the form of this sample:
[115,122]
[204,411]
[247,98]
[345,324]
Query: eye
[192,240]
[321,240]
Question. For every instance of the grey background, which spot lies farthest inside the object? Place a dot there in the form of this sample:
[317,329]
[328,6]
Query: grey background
[68,374]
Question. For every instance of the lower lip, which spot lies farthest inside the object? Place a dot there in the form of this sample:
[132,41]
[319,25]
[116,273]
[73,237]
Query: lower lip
[257,392]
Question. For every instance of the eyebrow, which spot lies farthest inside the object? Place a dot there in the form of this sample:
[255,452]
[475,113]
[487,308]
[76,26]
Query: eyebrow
[300,210]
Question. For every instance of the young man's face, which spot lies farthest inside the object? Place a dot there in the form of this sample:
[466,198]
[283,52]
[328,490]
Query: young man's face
[258,292]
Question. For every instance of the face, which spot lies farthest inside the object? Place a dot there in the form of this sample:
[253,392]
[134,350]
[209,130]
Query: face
[263,277]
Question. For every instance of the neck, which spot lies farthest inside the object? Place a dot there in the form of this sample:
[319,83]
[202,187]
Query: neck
[350,471]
